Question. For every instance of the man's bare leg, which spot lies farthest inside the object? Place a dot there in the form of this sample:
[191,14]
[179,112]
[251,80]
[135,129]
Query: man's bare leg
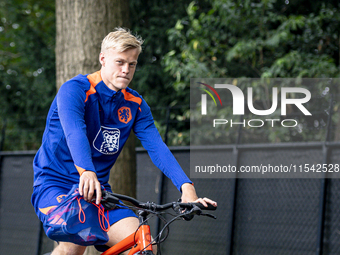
[65,248]
[123,229]
[118,231]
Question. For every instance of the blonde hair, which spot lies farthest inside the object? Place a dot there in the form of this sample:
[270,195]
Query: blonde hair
[121,39]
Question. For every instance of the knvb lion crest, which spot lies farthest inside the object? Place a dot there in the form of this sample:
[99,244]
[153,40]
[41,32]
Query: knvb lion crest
[108,142]
[124,114]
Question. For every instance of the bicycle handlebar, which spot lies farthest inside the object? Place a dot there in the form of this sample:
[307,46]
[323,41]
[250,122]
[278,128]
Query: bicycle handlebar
[185,211]
[111,199]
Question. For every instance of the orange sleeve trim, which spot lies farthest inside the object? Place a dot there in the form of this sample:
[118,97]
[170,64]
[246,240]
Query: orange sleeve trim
[129,97]
[80,170]
[94,79]
[91,91]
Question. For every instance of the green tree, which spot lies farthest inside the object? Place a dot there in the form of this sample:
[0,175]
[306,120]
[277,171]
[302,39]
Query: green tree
[27,70]
[151,19]
[257,39]
[204,39]
[27,64]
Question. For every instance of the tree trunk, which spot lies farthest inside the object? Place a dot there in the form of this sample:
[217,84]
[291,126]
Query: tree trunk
[81,27]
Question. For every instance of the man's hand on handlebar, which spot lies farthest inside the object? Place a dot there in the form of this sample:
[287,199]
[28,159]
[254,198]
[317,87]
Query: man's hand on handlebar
[189,195]
[89,185]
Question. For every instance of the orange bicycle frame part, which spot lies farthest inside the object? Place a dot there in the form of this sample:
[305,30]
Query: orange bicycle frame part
[139,241]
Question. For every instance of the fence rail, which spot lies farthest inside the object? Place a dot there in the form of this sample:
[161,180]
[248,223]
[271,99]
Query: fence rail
[255,216]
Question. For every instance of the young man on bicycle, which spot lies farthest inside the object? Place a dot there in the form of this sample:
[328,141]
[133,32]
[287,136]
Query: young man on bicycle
[88,124]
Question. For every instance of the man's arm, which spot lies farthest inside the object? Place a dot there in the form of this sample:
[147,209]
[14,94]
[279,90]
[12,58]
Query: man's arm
[71,110]
[161,156]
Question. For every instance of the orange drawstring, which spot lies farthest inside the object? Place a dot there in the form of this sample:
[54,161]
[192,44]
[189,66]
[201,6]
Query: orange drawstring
[81,211]
[101,216]
[102,219]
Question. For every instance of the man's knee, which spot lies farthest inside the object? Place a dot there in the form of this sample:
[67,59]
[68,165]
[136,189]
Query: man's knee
[122,229]
[68,249]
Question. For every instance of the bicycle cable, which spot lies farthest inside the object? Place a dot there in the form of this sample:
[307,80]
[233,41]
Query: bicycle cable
[152,213]
[155,241]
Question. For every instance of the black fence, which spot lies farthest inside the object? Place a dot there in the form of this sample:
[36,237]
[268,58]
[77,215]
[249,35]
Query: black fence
[19,226]
[257,216]
[254,216]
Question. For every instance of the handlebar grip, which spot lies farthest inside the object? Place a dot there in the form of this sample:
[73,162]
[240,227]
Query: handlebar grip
[109,201]
[202,207]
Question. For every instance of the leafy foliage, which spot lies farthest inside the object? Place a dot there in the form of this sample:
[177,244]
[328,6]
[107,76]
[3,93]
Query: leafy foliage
[151,19]
[183,39]
[257,39]
[27,70]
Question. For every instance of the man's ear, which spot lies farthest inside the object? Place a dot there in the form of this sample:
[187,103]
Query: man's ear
[102,58]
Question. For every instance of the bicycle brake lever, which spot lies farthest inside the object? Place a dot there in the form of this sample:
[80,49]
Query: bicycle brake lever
[188,217]
[200,213]
[179,210]
[209,215]
[108,201]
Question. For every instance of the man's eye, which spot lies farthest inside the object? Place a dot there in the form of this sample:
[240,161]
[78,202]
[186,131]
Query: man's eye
[132,64]
[119,62]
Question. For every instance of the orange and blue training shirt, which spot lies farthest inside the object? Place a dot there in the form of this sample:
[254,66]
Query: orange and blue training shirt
[86,128]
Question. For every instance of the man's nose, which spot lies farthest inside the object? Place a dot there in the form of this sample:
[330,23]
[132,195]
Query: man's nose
[126,68]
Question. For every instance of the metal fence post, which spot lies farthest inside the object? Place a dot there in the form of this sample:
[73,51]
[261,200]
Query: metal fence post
[324,184]
[2,142]
[231,228]
[161,174]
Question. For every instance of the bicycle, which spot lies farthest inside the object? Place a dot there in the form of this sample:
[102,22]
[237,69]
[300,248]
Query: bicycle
[141,241]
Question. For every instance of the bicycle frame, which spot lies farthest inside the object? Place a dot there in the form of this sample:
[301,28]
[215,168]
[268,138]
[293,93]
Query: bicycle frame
[138,241]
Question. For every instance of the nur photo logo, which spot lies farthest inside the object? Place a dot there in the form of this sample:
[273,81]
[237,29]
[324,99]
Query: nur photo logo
[233,121]
[289,97]
[204,97]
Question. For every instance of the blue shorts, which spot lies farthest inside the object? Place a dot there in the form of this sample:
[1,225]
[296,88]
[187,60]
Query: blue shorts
[47,196]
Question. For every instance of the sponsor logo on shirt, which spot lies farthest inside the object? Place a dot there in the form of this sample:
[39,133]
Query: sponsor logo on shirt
[107,140]
[61,198]
[124,114]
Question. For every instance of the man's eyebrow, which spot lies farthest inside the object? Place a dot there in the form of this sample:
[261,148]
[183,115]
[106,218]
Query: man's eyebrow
[123,60]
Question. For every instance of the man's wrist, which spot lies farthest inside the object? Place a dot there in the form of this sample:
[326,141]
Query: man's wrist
[188,193]
[187,186]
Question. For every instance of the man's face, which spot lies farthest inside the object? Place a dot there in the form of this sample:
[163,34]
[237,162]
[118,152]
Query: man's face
[118,68]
